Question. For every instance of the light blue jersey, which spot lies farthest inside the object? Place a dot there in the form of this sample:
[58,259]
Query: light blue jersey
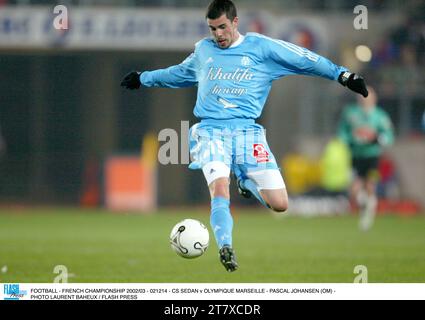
[234,83]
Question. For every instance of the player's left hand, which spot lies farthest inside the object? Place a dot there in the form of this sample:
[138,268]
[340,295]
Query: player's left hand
[131,80]
[354,82]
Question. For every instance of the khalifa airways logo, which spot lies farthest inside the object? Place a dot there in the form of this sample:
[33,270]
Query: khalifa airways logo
[236,76]
[13,292]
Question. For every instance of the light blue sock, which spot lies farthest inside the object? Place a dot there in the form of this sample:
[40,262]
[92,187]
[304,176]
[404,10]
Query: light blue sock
[221,221]
[250,185]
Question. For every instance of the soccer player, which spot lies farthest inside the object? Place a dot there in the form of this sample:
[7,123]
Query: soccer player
[366,129]
[234,74]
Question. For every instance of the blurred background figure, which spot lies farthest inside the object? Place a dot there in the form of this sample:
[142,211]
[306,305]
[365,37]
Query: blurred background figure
[366,129]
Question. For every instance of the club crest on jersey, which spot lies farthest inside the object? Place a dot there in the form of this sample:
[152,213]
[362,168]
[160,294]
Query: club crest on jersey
[260,153]
[245,61]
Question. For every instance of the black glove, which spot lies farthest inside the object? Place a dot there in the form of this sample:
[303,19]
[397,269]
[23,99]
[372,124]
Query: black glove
[353,82]
[131,80]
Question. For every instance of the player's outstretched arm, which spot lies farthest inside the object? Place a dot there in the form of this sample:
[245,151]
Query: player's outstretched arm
[298,60]
[177,76]
[353,82]
[131,80]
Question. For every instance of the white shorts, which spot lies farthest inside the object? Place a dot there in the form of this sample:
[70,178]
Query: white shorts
[267,179]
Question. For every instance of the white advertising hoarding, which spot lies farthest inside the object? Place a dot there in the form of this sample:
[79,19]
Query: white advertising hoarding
[136,29]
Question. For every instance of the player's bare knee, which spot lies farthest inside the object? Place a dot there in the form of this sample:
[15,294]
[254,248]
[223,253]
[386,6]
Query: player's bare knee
[281,209]
[279,205]
[221,191]
[276,199]
[220,188]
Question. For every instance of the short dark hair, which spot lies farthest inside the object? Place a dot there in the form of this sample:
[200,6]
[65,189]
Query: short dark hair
[219,7]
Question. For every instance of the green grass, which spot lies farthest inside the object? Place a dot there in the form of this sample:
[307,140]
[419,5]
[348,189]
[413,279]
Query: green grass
[97,246]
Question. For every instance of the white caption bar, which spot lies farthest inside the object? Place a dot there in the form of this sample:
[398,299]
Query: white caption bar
[210,291]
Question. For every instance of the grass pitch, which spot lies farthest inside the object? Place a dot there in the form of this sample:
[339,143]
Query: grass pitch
[97,246]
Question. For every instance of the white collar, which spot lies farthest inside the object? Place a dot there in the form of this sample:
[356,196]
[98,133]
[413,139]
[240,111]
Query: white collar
[238,42]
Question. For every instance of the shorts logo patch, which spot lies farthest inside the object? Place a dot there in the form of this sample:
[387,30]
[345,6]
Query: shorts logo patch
[260,153]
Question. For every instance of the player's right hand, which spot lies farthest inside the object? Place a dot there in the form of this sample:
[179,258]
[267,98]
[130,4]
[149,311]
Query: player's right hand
[131,80]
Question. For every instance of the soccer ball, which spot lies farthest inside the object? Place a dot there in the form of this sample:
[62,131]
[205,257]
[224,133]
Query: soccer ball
[189,238]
